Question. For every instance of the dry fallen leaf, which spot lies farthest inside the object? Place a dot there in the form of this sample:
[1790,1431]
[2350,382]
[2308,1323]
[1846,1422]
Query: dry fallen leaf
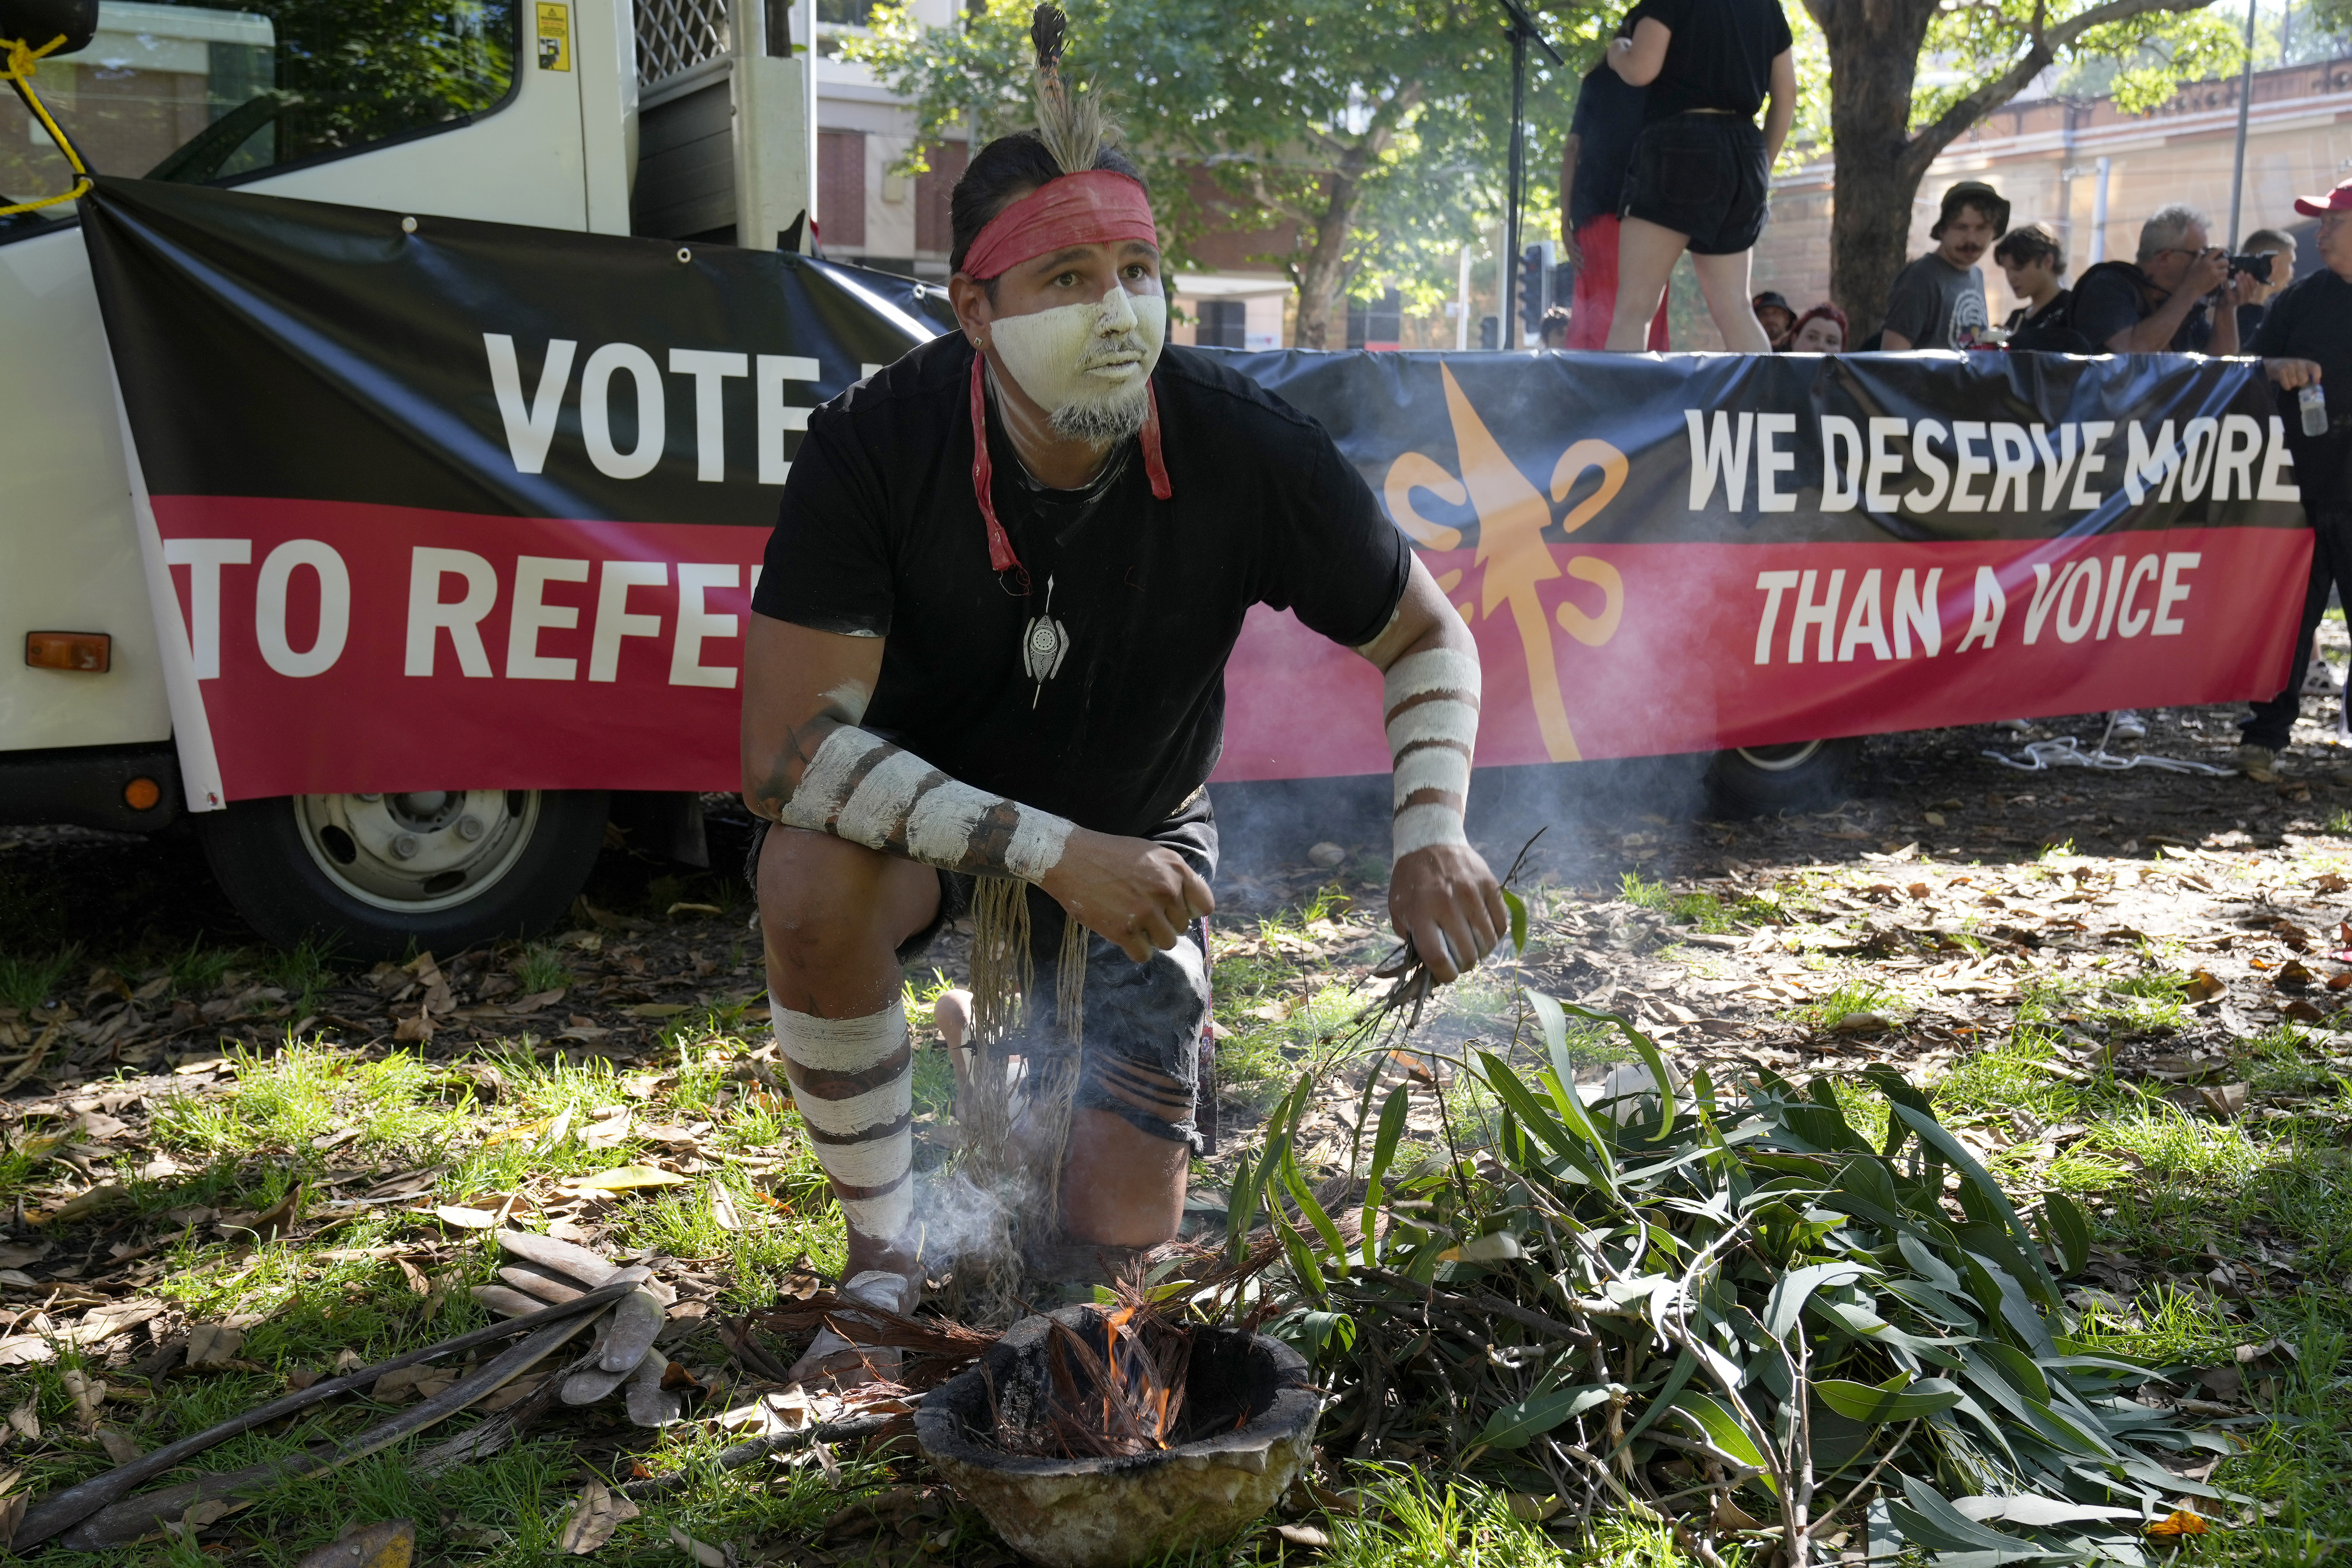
[2180,1521]
[625,1178]
[1305,1535]
[2223,1099]
[466,1219]
[722,1206]
[213,1345]
[120,1446]
[702,1551]
[2202,987]
[597,1513]
[417,1283]
[25,1421]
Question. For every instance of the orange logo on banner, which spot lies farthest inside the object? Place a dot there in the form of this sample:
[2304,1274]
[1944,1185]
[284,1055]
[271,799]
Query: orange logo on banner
[1512,552]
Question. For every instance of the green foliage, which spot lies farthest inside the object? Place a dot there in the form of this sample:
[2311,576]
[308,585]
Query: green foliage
[1739,1272]
[540,967]
[30,982]
[363,69]
[1384,124]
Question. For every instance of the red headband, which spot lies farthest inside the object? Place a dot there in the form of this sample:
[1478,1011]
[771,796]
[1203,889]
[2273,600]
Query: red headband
[1097,207]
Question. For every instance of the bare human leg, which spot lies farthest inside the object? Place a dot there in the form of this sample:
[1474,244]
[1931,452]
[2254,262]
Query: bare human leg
[1723,279]
[833,915]
[1645,258]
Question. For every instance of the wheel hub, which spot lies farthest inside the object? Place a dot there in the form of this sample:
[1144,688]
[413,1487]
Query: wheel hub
[420,850]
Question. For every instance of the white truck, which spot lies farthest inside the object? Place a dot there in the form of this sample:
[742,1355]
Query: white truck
[684,118]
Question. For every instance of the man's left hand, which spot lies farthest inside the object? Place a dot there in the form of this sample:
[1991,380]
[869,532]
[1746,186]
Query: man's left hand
[1446,899]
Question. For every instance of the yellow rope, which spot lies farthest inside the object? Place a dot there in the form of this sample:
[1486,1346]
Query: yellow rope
[22,62]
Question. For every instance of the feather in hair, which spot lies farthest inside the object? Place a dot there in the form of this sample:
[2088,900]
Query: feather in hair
[1071,126]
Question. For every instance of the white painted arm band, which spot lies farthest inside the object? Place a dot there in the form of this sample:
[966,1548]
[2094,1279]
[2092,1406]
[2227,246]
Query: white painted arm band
[1431,703]
[861,788]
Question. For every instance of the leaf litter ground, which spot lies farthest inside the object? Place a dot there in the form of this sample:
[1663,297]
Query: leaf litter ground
[2115,988]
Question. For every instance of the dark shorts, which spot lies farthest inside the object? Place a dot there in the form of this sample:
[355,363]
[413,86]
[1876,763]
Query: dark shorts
[1144,1019]
[1703,176]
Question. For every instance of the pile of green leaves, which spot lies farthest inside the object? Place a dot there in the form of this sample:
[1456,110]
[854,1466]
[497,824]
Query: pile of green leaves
[1721,1306]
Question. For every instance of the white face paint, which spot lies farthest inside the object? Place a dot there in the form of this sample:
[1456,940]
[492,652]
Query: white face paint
[1088,365]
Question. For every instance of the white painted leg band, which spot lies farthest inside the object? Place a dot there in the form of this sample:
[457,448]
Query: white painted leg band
[1433,768]
[838,1045]
[878,1162]
[885,1217]
[877,810]
[1439,719]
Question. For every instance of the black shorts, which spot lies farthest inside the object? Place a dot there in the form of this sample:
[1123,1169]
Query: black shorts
[1703,176]
[1148,1016]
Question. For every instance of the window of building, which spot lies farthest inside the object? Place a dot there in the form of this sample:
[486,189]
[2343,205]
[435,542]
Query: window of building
[1376,323]
[841,189]
[1223,324]
[198,93]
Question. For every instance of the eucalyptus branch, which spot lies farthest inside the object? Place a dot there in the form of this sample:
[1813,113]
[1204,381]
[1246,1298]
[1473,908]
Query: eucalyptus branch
[1893,1449]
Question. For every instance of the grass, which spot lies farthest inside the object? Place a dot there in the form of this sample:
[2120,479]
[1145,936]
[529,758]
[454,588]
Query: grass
[540,967]
[29,982]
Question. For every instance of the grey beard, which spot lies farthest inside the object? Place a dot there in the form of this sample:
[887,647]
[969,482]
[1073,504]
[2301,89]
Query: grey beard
[1104,422]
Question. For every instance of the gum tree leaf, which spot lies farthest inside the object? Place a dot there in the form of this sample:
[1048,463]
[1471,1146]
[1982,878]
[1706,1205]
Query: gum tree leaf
[1722,1428]
[1514,1425]
[1896,1399]
[2069,1231]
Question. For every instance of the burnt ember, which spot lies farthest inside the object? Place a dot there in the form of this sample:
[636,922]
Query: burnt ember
[1114,1388]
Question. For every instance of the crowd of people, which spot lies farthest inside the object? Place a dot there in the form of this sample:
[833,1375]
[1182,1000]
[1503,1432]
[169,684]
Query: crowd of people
[1665,156]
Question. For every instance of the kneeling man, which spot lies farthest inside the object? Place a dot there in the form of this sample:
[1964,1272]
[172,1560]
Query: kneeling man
[986,676]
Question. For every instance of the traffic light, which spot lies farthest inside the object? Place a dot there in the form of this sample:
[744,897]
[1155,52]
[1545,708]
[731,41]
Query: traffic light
[1535,286]
[1490,333]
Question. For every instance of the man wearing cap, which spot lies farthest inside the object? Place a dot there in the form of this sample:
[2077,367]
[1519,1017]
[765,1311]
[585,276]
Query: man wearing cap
[1939,301]
[985,676]
[1776,317]
[2156,303]
[2305,342]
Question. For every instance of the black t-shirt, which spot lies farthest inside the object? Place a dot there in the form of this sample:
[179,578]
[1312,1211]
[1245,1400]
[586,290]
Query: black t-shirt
[1720,56]
[2313,320]
[2059,312]
[878,534]
[1608,121]
[2111,297]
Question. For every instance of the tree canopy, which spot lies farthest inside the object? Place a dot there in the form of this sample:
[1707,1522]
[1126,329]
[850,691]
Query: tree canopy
[1367,136]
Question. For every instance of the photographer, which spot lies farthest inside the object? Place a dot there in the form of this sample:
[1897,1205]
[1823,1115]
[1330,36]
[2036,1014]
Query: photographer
[2158,304]
[2305,342]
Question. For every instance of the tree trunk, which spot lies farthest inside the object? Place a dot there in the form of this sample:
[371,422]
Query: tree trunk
[1874,47]
[1324,273]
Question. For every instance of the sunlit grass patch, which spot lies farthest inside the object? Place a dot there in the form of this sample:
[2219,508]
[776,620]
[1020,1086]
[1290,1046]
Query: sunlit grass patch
[32,982]
[1701,909]
[1858,993]
[541,968]
[2006,1077]
[284,1100]
[1412,1520]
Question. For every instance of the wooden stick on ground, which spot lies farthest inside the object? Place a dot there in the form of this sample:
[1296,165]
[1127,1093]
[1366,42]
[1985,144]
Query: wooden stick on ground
[76,1503]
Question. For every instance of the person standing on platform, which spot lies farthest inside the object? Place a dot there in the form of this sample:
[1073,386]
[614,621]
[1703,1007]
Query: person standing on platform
[1702,171]
[1592,167]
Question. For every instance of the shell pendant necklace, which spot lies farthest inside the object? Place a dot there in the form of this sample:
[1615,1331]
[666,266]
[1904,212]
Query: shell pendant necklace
[1044,644]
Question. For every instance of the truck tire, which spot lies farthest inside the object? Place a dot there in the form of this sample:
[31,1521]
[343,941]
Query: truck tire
[1762,780]
[373,875]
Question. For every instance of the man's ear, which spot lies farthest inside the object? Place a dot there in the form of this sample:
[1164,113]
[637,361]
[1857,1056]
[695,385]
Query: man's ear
[971,305]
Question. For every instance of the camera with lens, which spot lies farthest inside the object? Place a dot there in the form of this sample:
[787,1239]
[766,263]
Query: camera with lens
[2258,268]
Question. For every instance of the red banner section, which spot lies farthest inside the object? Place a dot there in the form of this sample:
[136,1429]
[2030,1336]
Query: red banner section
[342,647]
[1631,649]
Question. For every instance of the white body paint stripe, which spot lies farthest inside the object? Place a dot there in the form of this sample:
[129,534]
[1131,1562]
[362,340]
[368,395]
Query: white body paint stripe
[863,1112]
[879,806]
[868,1165]
[1036,845]
[1418,827]
[838,1045]
[1437,767]
[1430,670]
[883,1217]
[1439,720]
[939,831]
[825,783]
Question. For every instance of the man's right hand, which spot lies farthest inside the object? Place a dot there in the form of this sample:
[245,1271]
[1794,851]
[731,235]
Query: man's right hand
[2292,375]
[2209,272]
[1137,895]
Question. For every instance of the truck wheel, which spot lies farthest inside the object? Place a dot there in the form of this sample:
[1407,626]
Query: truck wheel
[1760,780]
[441,869]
